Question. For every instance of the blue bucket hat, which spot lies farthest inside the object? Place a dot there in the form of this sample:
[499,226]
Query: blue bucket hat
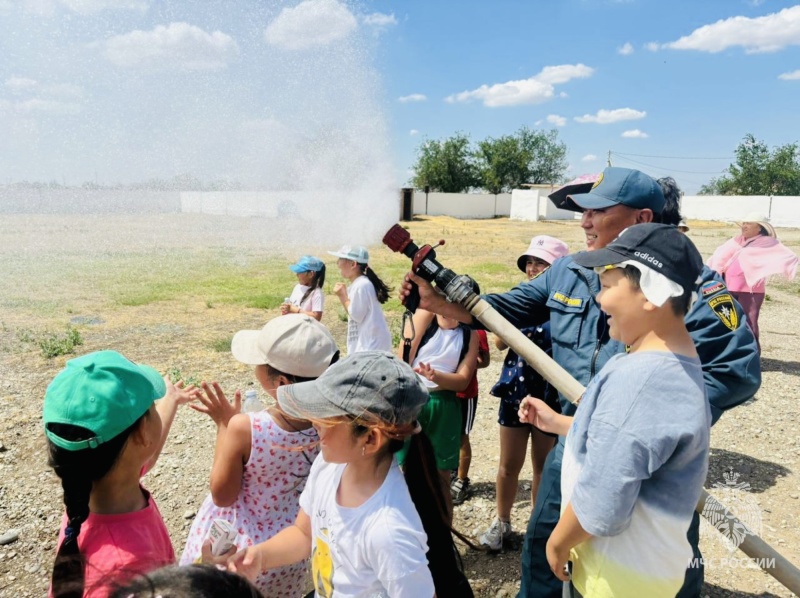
[307,263]
[622,186]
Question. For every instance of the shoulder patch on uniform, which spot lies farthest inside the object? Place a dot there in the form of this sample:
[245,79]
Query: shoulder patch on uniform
[725,310]
[565,300]
[711,287]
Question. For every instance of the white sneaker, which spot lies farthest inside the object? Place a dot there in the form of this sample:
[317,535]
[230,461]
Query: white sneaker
[494,536]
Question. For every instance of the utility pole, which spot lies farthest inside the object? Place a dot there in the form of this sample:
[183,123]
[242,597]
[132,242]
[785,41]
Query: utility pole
[609,157]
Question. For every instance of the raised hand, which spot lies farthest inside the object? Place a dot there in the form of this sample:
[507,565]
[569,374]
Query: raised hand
[179,393]
[425,370]
[215,405]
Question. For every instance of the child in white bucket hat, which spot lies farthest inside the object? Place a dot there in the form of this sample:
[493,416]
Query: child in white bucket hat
[262,459]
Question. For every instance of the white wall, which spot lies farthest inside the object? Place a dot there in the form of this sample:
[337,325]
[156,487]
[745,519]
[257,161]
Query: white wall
[271,204]
[782,210]
[463,205]
[533,204]
[525,204]
[87,201]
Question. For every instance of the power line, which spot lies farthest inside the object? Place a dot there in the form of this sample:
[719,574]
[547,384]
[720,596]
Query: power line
[668,169]
[675,157]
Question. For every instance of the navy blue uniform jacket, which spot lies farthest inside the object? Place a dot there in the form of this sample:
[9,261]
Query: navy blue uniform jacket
[565,295]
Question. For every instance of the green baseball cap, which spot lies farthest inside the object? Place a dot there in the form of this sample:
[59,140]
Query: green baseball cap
[103,392]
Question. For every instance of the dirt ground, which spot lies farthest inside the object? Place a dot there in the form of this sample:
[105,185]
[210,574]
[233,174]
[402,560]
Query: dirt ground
[57,270]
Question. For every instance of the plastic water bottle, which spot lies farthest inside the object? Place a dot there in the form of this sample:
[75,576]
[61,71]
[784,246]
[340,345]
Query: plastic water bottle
[251,401]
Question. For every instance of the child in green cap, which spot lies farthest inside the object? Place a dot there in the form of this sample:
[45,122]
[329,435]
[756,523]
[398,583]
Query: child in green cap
[104,431]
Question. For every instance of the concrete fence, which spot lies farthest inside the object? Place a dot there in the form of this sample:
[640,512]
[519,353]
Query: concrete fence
[85,201]
[782,210]
[521,204]
[462,205]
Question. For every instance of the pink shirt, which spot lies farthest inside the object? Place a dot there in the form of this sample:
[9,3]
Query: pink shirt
[118,547]
[736,281]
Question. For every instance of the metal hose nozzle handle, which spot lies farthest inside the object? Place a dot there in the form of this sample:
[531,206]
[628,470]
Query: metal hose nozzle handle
[423,263]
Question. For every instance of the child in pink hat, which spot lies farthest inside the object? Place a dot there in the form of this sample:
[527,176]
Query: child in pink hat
[517,381]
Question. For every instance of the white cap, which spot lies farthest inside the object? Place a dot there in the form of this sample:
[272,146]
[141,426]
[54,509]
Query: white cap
[355,253]
[294,344]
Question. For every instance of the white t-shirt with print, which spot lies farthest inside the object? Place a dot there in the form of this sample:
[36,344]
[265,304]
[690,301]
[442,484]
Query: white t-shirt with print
[314,302]
[366,324]
[375,550]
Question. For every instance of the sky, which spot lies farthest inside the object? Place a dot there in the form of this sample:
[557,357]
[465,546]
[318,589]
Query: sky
[322,92]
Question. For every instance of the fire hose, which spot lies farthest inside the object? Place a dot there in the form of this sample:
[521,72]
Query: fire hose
[458,289]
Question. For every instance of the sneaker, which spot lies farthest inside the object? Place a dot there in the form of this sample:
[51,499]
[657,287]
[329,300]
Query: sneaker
[493,537]
[460,490]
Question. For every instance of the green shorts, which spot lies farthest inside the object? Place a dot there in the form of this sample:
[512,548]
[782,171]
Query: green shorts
[440,419]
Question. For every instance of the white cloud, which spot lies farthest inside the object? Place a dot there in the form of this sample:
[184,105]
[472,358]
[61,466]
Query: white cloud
[178,45]
[589,158]
[606,117]
[379,20]
[635,134]
[538,122]
[311,23]
[414,97]
[38,105]
[555,119]
[18,85]
[651,46]
[413,132]
[769,33]
[534,90]
[626,49]
[86,7]
[791,76]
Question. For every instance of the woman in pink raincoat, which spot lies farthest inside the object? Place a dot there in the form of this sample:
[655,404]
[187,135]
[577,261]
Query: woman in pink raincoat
[746,261]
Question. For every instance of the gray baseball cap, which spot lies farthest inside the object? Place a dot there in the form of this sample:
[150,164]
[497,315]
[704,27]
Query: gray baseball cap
[369,382]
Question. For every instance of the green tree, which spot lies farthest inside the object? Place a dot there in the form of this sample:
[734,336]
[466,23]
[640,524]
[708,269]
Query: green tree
[759,171]
[527,156]
[547,155]
[445,165]
[502,164]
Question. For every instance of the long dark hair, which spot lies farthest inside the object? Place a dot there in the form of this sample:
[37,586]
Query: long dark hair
[381,290]
[425,487]
[316,283]
[78,470]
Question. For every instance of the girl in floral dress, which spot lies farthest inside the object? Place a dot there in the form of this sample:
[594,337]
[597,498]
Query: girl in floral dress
[262,459]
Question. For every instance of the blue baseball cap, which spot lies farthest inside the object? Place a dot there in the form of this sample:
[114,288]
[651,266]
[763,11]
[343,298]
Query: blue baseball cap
[307,263]
[621,186]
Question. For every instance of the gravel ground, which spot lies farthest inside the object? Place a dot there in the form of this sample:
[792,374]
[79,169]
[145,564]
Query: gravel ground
[758,440]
